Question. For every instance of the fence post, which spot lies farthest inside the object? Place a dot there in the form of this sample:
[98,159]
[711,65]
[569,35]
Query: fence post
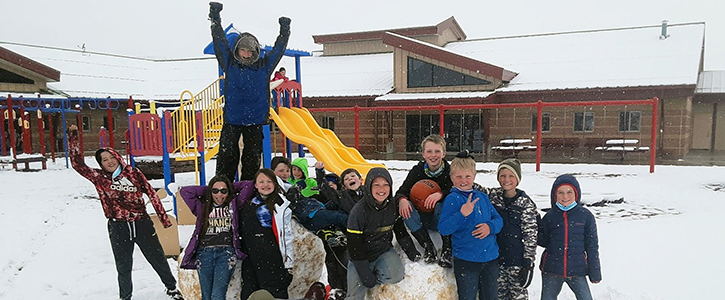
[356,109]
[539,108]
[441,121]
[653,140]
[2,131]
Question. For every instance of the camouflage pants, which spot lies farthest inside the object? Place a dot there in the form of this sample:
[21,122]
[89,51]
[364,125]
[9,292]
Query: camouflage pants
[509,284]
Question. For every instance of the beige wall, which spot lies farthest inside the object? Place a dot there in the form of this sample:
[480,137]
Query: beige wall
[677,129]
[369,46]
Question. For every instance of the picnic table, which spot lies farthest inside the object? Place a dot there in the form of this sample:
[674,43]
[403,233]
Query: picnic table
[621,146]
[25,159]
[513,146]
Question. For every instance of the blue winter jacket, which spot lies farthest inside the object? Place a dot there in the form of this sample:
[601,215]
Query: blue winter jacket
[452,222]
[246,87]
[570,238]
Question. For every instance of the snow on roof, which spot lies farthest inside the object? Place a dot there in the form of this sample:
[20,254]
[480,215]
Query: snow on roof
[417,96]
[625,57]
[101,76]
[711,82]
[350,75]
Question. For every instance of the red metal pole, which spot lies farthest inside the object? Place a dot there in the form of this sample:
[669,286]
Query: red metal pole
[539,107]
[441,120]
[653,141]
[356,109]
[2,131]
[52,136]
[110,124]
[41,135]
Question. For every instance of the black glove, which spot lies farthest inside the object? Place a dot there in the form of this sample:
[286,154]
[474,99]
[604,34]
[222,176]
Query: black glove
[301,183]
[284,25]
[365,273]
[294,195]
[526,273]
[214,9]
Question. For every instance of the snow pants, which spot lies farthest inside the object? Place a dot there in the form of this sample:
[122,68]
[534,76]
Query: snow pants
[251,156]
[123,236]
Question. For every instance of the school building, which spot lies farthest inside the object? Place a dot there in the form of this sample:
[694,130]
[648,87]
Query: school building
[433,65]
[439,64]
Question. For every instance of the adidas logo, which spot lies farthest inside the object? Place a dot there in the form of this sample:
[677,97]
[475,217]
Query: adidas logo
[124,185]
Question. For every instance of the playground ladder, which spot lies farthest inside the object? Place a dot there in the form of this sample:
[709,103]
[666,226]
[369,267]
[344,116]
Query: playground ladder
[208,105]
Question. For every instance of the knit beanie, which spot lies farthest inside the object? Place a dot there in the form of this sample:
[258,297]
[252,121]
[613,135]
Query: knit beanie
[332,177]
[513,165]
[566,179]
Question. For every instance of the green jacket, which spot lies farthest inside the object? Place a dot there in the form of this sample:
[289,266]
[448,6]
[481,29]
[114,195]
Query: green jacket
[310,183]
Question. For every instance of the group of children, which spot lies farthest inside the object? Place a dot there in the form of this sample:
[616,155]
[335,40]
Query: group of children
[489,235]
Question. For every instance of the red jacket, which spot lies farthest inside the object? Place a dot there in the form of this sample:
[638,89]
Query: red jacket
[121,197]
[278,76]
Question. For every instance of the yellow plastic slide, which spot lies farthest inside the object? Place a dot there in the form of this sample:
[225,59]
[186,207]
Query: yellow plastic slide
[300,127]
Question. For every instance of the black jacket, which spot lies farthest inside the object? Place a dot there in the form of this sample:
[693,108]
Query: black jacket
[343,200]
[371,225]
[418,172]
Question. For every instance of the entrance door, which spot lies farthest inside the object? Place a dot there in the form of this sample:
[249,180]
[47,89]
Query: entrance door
[702,125]
[463,131]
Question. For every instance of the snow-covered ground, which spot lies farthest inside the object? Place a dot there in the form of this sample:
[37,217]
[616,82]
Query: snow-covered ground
[663,242]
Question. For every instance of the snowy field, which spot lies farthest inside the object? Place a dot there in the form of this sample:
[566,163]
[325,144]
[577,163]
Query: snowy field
[664,241]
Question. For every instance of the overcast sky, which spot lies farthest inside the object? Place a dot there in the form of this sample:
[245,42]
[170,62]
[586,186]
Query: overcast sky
[180,29]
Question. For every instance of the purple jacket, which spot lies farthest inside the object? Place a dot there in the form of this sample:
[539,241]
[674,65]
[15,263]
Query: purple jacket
[192,196]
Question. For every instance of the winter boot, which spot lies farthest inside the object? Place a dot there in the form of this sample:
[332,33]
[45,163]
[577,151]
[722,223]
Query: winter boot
[316,292]
[423,238]
[174,294]
[408,246]
[337,294]
[446,259]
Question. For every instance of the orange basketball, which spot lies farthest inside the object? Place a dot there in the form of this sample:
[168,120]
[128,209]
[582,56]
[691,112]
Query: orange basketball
[420,191]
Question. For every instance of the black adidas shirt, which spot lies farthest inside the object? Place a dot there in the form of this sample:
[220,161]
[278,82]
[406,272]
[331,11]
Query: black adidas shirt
[219,228]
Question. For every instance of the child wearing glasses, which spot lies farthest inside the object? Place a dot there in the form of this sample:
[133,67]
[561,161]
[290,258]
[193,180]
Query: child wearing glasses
[214,246]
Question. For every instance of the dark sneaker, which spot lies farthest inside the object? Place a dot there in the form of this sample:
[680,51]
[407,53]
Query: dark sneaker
[337,294]
[316,292]
[446,259]
[174,294]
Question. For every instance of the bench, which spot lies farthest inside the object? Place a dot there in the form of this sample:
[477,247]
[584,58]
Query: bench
[27,160]
[570,143]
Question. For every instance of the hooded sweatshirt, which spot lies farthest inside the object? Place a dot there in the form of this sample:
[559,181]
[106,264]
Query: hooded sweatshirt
[309,183]
[246,84]
[570,237]
[371,224]
[122,196]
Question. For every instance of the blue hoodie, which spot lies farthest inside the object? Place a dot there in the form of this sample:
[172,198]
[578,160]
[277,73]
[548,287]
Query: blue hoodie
[452,222]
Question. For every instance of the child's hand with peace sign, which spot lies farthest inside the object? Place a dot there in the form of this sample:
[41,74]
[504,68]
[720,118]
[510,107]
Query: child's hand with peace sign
[467,208]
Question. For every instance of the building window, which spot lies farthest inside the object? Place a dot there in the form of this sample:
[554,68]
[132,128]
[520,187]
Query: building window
[545,122]
[328,122]
[86,120]
[105,123]
[584,121]
[423,74]
[629,120]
